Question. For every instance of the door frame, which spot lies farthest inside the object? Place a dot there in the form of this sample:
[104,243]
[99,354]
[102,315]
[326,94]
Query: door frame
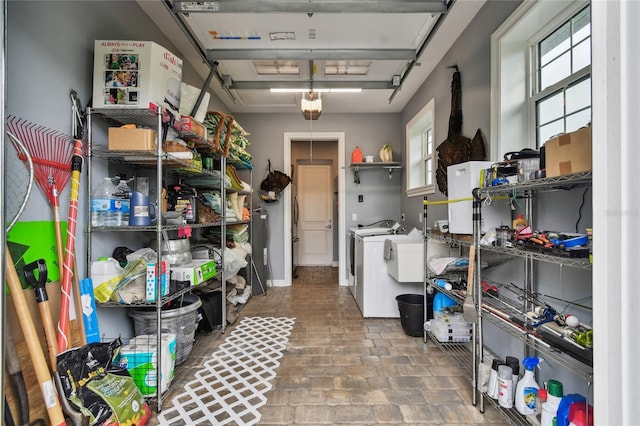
[288,255]
[327,164]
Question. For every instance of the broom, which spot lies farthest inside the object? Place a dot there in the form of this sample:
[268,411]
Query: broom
[51,152]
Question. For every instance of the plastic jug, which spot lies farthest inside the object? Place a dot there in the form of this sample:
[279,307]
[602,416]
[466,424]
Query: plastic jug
[356,155]
[106,208]
[141,211]
[104,269]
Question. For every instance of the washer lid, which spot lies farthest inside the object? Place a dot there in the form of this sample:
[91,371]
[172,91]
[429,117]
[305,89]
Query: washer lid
[365,232]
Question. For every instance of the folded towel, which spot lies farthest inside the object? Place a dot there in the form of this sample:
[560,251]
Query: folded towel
[387,249]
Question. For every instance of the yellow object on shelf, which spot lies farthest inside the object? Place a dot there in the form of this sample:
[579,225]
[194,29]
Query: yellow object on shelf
[519,223]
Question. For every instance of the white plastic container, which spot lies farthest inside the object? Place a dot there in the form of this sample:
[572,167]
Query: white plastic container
[462,178]
[526,398]
[104,269]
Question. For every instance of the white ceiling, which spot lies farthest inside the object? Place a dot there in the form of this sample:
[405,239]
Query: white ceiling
[338,35]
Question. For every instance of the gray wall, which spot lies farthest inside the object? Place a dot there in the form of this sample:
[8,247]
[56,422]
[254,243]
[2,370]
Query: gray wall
[472,54]
[368,131]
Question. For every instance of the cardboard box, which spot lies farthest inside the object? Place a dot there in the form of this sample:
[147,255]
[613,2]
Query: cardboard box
[196,271]
[568,153]
[189,124]
[152,271]
[122,139]
[136,74]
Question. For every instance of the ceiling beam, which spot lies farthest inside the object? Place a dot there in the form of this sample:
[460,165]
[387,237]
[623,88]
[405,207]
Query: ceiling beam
[312,54]
[266,85]
[310,6]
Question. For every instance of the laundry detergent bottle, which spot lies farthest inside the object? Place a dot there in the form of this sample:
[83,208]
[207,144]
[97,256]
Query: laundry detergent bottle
[526,398]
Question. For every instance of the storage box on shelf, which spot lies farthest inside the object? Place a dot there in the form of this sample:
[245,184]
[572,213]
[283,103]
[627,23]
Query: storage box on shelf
[515,318]
[136,74]
[568,153]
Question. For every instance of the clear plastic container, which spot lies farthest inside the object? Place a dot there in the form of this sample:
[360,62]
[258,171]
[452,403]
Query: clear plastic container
[106,208]
[124,194]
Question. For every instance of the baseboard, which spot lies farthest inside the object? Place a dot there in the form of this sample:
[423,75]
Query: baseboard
[278,283]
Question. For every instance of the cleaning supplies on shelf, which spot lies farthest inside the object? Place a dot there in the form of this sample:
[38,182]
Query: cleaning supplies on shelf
[527,390]
[514,363]
[519,223]
[492,386]
[505,386]
[552,402]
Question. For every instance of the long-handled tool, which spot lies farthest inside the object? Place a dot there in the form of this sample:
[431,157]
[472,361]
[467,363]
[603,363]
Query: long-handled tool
[63,322]
[16,378]
[33,344]
[469,306]
[20,187]
[42,298]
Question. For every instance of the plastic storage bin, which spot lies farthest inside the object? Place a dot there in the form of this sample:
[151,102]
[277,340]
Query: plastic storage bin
[448,327]
[181,318]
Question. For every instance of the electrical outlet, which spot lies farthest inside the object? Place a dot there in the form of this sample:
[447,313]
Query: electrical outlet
[354,217]
[402,217]
[360,198]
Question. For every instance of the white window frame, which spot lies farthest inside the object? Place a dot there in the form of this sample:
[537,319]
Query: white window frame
[513,118]
[417,156]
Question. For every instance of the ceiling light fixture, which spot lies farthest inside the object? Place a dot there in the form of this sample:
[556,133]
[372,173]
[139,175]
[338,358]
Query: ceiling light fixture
[315,90]
[311,106]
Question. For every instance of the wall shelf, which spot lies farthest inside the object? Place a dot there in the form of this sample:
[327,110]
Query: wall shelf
[390,166]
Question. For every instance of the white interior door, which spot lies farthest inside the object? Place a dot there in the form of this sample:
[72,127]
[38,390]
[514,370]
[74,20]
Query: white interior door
[315,227]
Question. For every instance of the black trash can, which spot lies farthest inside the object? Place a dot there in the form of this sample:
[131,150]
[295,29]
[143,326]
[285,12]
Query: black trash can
[411,307]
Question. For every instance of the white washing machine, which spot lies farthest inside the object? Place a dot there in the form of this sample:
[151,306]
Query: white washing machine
[382,227]
[374,289]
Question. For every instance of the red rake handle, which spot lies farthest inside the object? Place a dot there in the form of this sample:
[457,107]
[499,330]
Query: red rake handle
[63,324]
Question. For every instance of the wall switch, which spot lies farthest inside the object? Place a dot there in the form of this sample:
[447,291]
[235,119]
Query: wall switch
[420,218]
[360,198]
[354,217]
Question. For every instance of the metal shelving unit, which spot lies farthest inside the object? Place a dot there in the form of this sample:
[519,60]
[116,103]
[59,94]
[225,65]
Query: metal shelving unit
[508,315]
[161,162]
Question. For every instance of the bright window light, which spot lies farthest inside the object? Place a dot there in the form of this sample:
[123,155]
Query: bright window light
[306,89]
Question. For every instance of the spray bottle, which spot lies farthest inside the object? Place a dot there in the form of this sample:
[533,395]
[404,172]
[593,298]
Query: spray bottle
[526,398]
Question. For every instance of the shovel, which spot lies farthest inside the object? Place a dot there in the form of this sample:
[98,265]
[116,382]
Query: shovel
[469,307]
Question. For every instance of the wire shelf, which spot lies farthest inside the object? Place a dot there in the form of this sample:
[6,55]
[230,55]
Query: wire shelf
[163,301]
[576,262]
[575,180]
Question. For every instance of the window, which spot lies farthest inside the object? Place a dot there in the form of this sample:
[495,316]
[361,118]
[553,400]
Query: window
[421,152]
[541,70]
[563,58]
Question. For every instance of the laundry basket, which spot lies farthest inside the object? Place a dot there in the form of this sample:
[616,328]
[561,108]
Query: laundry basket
[180,318]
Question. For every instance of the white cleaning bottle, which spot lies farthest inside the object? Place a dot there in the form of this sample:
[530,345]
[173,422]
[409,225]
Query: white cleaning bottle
[526,398]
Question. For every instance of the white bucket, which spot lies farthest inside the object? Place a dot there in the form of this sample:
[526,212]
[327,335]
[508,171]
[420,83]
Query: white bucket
[104,269]
[140,358]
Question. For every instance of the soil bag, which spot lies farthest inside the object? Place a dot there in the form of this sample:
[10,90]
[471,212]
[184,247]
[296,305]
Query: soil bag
[102,391]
